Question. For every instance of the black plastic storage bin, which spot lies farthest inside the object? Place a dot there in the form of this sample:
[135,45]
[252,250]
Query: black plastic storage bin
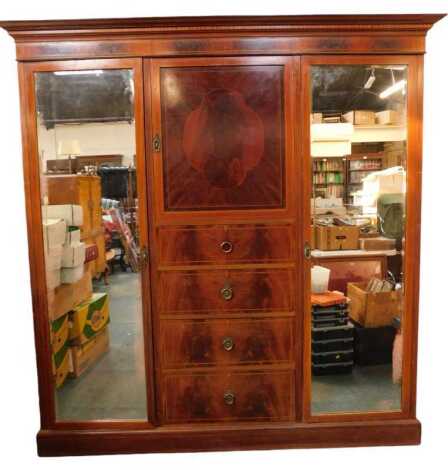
[333,369]
[373,346]
[332,332]
[332,345]
[333,357]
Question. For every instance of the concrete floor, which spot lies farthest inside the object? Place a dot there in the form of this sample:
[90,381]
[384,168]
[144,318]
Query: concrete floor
[114,388]
[368,388]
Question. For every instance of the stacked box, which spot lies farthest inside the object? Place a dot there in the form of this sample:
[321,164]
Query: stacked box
[85,355]
[89,318]
[66,297]
[360,117]
[60,349]
[71,213]
[332,340]
[54,237]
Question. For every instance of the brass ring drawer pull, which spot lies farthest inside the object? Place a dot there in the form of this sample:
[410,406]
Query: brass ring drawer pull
[227,292]
[229,398]
[227,343]
[226,246]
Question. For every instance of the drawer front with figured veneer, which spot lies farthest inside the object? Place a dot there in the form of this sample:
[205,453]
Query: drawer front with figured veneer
[233,396]
[225,244]
[220,291]
[225,342]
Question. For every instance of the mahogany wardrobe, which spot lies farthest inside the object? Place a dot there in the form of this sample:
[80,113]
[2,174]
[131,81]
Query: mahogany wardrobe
[174,172]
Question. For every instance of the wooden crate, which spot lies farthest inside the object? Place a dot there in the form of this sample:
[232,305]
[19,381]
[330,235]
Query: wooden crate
[360,117]
[371,309]
[330,238]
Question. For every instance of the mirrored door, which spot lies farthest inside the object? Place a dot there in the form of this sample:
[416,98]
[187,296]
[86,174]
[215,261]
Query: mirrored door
[357,318]
[93,208]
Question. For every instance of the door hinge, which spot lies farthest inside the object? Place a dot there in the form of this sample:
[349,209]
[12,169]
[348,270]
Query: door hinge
[143,257]
[307,250]
[156,144]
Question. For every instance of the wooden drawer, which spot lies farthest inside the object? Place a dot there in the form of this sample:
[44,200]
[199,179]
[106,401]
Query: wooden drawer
[225,342]
[228,397]
[225,244]
[226,291]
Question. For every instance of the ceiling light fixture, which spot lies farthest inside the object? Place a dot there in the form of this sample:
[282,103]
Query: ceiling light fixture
[79,72]
[370,80]
[401,85]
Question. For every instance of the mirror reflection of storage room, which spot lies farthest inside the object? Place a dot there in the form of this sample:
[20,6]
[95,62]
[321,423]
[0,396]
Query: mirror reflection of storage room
[87,152]
[358,148]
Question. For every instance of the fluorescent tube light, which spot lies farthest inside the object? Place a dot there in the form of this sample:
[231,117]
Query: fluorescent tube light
[393,89]
[370,80]
[79,72]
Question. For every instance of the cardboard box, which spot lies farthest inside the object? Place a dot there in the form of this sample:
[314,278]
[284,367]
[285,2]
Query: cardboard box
[73,255]
[373,309]
[61,365]
[360,117]
[53,278]
[388,117]
[54,232]
[316,118]
[377,243]
[72,275]
[66,297]
[86,355]
[329,238]
[59,333]
[89,318]
[71,213]
[72,236]
[53,258]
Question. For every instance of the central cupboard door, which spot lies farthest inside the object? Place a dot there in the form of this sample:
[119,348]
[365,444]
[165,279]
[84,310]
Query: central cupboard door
[225,236]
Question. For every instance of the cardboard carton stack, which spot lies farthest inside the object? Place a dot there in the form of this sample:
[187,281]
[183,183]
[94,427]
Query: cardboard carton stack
[89,335]
[73,254]
[66,283]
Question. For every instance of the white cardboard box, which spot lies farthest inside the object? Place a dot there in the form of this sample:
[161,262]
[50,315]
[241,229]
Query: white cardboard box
[73,237]
[53,278]
[54,232]
[71,213]
[388,117]
[53,258]
[73,255]
[72,275]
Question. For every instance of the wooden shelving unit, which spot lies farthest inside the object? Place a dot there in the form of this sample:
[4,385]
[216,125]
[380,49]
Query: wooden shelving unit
[358,166]
[329,176]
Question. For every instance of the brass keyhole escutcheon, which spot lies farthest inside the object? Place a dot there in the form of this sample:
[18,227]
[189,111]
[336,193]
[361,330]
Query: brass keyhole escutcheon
[227,292]
[226,246]
[229,398]
[228,343]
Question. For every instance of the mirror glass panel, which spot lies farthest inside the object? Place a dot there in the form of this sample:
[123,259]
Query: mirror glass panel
[358,150]
[86,143]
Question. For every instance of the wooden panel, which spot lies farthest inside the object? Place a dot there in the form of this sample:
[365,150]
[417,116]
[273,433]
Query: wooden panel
[224,244]
[217,342]
[96,208]
[222,137]
[257,396]
[195,45]
[245,436]
[201,291]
